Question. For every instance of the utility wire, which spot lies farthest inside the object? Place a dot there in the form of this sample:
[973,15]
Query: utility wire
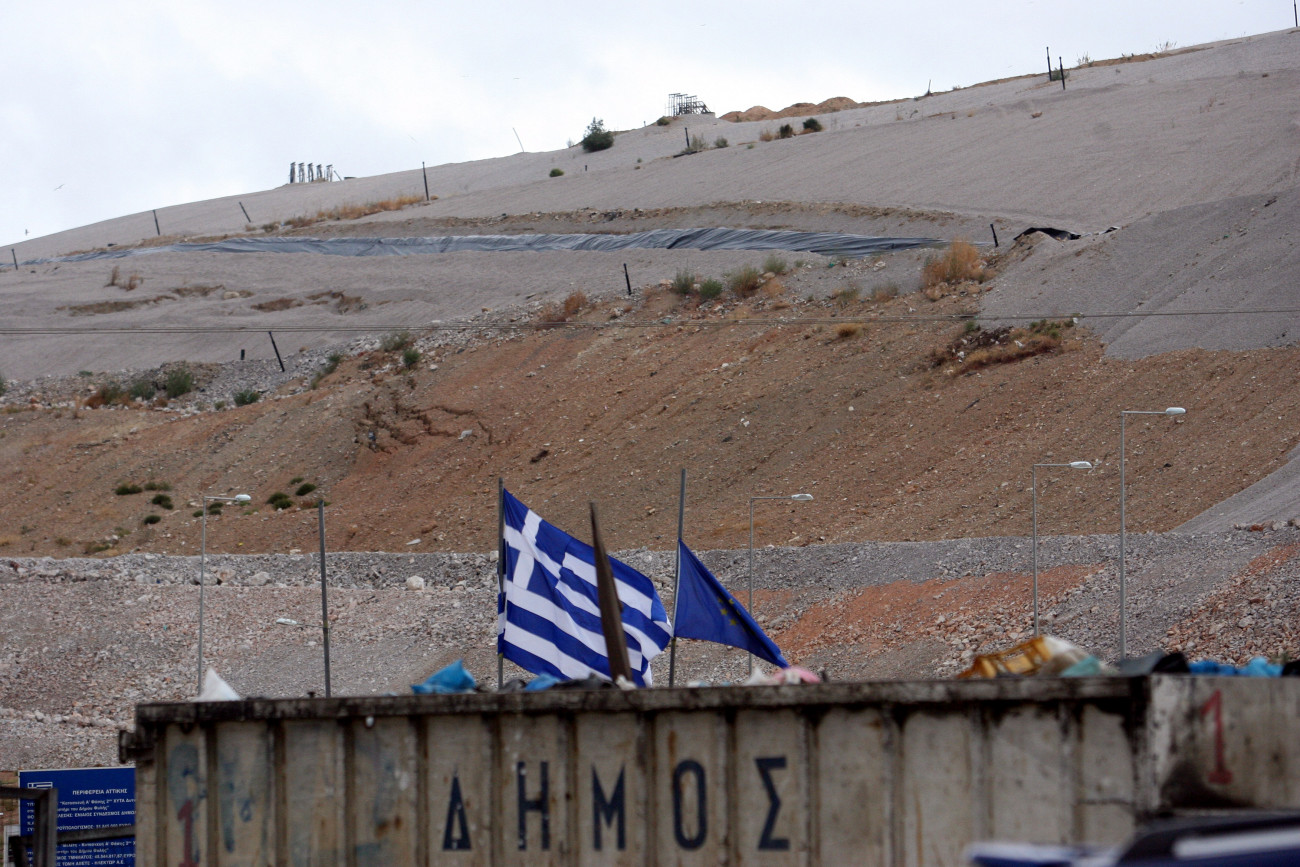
[657,323]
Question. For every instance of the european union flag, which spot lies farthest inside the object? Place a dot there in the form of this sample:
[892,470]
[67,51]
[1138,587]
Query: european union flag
[705,610]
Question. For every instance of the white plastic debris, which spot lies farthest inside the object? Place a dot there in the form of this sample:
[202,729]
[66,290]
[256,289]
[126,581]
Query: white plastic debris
[216,689]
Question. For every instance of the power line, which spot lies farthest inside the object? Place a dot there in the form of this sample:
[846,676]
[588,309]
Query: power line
[657,323]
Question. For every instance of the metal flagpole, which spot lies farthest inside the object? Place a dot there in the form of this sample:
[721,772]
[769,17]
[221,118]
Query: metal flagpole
[324,598]
[677,580]
[501,562]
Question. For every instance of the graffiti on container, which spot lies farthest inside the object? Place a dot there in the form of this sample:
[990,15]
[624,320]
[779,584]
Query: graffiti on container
[184,788]
[1213,707]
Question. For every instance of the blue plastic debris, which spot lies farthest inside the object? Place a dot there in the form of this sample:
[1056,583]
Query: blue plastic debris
[1257,667]
[541,682]
[452,679]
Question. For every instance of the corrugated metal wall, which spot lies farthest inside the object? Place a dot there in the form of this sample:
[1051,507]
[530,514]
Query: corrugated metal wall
[882,773]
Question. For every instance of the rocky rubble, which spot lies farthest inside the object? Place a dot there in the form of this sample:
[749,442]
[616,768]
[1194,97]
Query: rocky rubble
[87,639]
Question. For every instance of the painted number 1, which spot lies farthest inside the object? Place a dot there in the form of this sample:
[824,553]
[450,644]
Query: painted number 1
[1214,705]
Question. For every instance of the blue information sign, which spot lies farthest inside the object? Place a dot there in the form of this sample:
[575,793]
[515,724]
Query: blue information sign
[88,798]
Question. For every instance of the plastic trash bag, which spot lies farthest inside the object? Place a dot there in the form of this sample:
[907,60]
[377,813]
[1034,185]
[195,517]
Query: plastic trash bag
[541,682]
[1257,667]
[216,689]
[452,679]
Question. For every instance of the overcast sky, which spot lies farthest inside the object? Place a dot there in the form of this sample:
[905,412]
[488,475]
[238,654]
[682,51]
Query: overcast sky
[111,108]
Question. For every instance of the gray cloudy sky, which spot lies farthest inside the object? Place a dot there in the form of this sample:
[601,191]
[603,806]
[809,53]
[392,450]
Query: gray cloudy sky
[111,108]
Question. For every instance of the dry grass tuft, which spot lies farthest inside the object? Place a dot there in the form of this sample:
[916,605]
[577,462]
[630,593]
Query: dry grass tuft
[574,304]
[846,330]
[846,295]
[960,264]
[277,305]
[884,292]
[554,314]
[354,212]
[745,281]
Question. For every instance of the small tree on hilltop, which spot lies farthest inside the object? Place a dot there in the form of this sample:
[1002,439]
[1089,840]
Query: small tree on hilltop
[597,138]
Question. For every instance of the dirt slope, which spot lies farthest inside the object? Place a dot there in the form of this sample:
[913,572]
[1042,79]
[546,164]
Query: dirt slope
[764,396]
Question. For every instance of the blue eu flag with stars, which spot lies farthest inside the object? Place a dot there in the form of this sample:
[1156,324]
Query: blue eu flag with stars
[705,610]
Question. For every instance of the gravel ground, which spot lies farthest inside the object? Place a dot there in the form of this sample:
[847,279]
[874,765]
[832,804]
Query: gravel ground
[112,633]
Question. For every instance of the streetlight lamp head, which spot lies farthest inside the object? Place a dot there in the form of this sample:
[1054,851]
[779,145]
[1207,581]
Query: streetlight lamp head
[1080,465]
[1175,410]
[803,498]
[243,498]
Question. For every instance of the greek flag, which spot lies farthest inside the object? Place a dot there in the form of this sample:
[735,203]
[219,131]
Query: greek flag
[548,619]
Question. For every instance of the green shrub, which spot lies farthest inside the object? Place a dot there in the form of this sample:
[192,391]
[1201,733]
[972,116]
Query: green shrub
[157,486]
[1055,74]
[775,264]
[247,396]
[279,500]
[684,282]
[180,380]
[663,121]
[697,144]
[332,363]
[597,138]
[163,501]
[142,389]
[295,480]
[152,519]
[411,356]
[812,124]
[219,405]
[395,341]
[126,488]
[711,289]
[746,281]
[971,327]
[720,142]
[197,513]
[557,172]
[3,387]
[786,131]
[304,489]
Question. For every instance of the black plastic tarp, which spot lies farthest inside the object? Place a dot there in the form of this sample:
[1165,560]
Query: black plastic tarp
[824,243]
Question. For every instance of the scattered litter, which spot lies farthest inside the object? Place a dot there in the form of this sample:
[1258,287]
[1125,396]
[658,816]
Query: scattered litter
[452,679]
[285,621]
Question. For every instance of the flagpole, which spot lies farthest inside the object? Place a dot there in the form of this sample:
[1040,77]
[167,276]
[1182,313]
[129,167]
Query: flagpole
[501,561]
[677,579]
[611,613]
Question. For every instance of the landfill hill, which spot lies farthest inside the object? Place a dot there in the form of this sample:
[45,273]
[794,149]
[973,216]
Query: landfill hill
[913,417]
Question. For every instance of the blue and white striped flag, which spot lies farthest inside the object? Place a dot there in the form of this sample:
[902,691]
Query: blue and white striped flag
[548,619]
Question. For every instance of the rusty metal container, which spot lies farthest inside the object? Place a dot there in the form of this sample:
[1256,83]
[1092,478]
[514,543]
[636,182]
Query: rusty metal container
[888,773]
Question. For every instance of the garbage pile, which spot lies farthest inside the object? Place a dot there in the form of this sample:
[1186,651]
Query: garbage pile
[1047,655]
[456,679]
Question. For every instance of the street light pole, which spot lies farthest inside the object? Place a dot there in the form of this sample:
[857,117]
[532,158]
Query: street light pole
[203,557]
[1123,531]
[1074,465]
[802,498]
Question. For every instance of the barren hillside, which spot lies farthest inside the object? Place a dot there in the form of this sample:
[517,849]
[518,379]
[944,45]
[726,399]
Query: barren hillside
[412,383]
